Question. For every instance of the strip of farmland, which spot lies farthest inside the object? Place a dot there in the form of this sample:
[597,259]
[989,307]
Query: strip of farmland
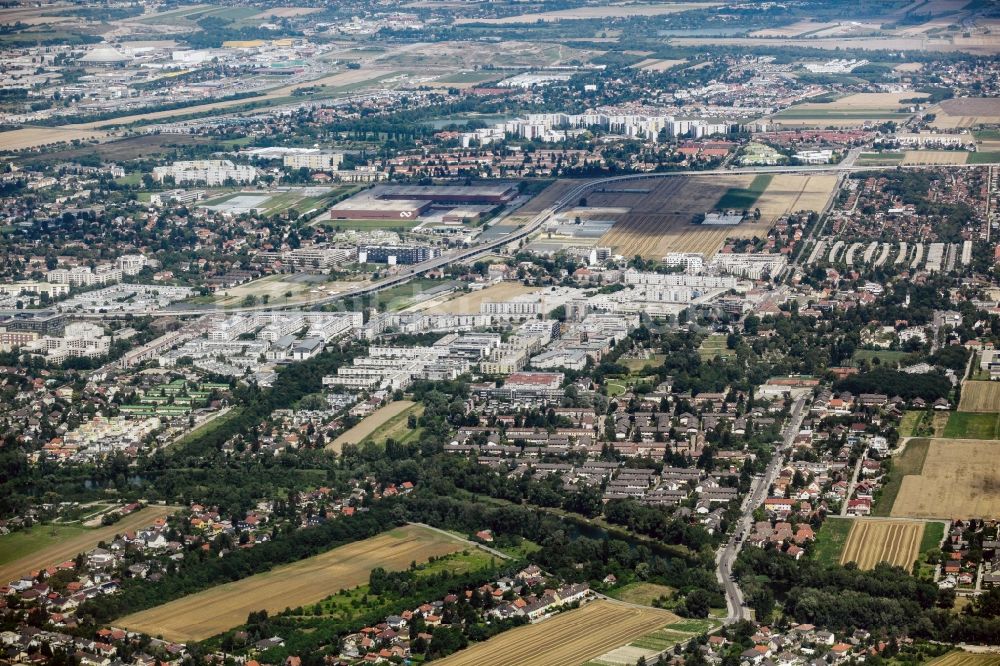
[205,614]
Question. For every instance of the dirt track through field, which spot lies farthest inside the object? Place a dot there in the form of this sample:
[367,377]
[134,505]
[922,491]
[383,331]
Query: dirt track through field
[210,612]
[568,639]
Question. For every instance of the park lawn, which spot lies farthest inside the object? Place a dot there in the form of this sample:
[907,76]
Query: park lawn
[636,365]
[743,198]
[910,461]
[971,425]
[17,544]
[988,157]
[615,388]
[831,539]
[471,559]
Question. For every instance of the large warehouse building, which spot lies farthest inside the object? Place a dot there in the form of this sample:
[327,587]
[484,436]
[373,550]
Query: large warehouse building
[408,202]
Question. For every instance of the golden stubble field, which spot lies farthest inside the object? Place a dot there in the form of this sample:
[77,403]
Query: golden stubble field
[935,157]
[660,221]
[872,541]
[965,112]
[210,612]
[567,639]
[959,480]
[369,425]
[593,12]
[982,397]
[959,658]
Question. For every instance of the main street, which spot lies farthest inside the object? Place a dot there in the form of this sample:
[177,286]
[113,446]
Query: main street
[726,556]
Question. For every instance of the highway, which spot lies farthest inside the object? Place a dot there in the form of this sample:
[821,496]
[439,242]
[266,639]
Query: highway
[469,254]
[726,556]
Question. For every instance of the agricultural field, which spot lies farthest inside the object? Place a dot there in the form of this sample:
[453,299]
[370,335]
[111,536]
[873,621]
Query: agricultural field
[935,157]
[397,428]
[831,538]
[657,65]
[909,462]
[210,612]
[650,645]
[370,425]
[660,221]
[959,658]
[791,193]
[571,638]
[591,12]
[965,112]
[980,397]
[743,198]
[302,287]
[952,482]
[880,159]
[850,110]
[972,425]
[984,157]
[45,545]
[469,303]
[872,541]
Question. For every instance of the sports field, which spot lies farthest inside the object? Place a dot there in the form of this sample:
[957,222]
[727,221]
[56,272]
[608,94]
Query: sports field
[205,614]
[955,481]
[959,658]
[567,639]
[872,541]
[369,425]
[45,547]
[980,397]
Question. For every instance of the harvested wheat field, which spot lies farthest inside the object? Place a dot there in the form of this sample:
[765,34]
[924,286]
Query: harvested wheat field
[660,219]
[37,137]
[69,548]
[210,612]
[959,658]
[369,425]
[791,193]
[983,397]
[657,65]
[567,639]
[935,157]
[957,481]
[966,112]
[872,541]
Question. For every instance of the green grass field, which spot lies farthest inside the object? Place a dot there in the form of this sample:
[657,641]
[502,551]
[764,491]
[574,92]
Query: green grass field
[885,356]
[714,345]
[831,539]
[910,461]
[970,425]
[910,422]
[743,198]
[879,159]
[397,428]
[642,593]
[367,225]
[18,544]
[989,157]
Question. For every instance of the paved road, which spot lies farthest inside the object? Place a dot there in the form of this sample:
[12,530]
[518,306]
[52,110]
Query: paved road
[726,556]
